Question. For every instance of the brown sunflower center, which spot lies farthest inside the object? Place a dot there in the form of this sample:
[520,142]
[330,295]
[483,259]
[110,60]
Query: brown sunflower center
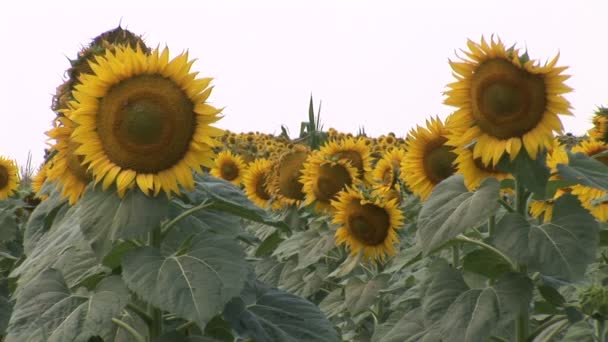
[260,187]
[331,179]
[290,167]
[229,171]
[369,224]
[355,159]
[146,123]
[487,168]
[4,176]
[507,101]
[438,160]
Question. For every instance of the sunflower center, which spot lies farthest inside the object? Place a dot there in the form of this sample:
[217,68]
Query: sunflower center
[146,123]
[488,168]
[331,179]
[355,159]
[4,176]
[260,188]
[369,224]
[229,171]
[507,101]
[438,161]
[289,175]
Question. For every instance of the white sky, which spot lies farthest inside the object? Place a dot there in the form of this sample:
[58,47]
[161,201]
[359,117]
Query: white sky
[378,64]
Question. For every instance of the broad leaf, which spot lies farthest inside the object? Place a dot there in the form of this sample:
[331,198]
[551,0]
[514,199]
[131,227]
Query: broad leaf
[315,249]
[532,173]
[269,244]
[194,284]
[129,317]
[8,225]
[451,209]
[333,303]
[400,329]
[445,285]
[46,310]
[485,263]
[582,169]
[266,314]
[511,237]
[106,218]
[580,332]
[51,209]
[360,295]
[564,247]
[6,309]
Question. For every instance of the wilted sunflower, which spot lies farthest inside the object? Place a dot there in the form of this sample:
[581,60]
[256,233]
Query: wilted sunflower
[356,151]
[65,167]
[323,177]
[9,178]
[229,166]
[591,198]
[284,181]
[428,160]
[366,225]
[255,181]
[473,170]
[505,101]
[143,120]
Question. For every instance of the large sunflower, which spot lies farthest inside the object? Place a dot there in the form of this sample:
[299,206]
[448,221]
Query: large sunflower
[593,199]
[284,183]
[9,178]
[356,151]
[143,120]
[323,177]
[505,101]
[229,166]
[428,160]
[65,166]
[255,181]
[366,225]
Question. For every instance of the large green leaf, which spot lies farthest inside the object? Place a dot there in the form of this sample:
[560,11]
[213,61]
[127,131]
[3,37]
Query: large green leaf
[48,211]
[106,218]
[399,329]
[451,209]
[580,332]
[196,283]
[582,169]
[486,263]
[5,313]
[46,310]
[511,237]
[361,295]
[61,247]
[564,247]
[445,285]
[129,317]
[8,225]
[532,173]
[266,314]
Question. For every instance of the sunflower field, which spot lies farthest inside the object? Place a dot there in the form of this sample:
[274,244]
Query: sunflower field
[146,222]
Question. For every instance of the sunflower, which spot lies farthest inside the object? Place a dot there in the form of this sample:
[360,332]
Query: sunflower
[38,181]
[323,177]
[9,178]
[143,120]
[65,167]
[593,199]
[284,181]
[229,166]
[366,225]
[600,125]
[505,101]
[356,151]
[387,169]
[473,170]
[255,181]
[428,160]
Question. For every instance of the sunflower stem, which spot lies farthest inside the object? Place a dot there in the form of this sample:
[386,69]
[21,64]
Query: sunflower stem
[506,205]
[140,312]
[156,326]
[137,336]
[490,248]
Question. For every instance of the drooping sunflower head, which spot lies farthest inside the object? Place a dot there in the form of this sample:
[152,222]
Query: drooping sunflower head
[428,159]
[356,151]
[323,177]
[473,170]
[367,226]
[66,166]
[600,125]
[505,100]
[255,181]
[285,177]
[229,166]
[387,169]
[144,120]
[9,178]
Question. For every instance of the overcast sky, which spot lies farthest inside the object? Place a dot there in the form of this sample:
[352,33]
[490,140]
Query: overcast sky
[382,65]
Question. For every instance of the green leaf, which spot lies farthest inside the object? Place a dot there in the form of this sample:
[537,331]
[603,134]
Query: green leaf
[551,295]
[564,247]
[582,169]
[511,237]
[46,310]
[269,244]
[579,332]
[315,249]
[114,258]
[195,285]
[219,329]
[6,309]
[174,336]
[8,225]
[266,314]
[532,173]
[333,303]
[399,329]
[360,295]
[451,209]
[444,286]
[485,263]
[51,209]
[105,218]
[119,334]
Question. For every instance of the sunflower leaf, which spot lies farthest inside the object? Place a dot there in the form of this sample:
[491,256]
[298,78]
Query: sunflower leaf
[532,173]
[451,209]
[267,314]
[6,309]
[359,295]
[585,170]
[194,285]
[399,329]
[441,289]
[46,310]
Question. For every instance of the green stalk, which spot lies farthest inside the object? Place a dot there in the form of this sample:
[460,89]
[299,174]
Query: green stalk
[169,225]
[137,336]
[156,326]
[523,320]
[600,330]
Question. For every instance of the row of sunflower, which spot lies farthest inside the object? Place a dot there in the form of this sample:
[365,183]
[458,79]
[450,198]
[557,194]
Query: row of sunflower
[359,226]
